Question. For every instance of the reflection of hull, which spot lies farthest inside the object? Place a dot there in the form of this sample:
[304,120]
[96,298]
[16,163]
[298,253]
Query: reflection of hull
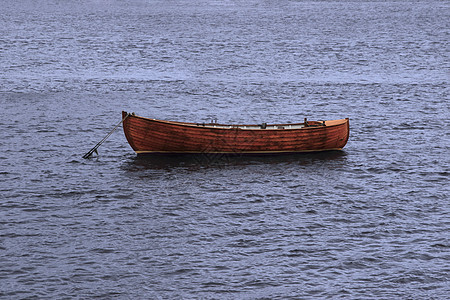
[148,136]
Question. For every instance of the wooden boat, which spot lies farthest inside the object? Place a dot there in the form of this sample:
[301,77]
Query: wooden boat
[151,136]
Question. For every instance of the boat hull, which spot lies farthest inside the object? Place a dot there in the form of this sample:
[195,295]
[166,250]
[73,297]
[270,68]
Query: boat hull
[150,136]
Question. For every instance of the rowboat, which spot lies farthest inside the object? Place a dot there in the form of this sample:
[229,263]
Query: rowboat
[152,136]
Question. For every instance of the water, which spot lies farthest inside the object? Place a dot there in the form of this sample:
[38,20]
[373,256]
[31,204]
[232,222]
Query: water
[368,222]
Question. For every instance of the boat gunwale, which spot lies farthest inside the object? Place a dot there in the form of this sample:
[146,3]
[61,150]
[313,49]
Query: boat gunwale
[239,126]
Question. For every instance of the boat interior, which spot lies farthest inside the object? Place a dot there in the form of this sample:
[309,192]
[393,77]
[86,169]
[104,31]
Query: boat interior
[265,125]
[214,124]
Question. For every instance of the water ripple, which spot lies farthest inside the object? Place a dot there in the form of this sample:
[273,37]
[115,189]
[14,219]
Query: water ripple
[368,222]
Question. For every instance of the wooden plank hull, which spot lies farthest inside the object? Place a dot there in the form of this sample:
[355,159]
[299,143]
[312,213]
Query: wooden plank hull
[148,136]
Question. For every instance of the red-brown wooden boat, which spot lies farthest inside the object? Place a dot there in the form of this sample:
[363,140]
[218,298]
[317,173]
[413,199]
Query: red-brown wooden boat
[147,136]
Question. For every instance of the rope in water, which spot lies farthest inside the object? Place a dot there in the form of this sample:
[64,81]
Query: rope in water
[87,155]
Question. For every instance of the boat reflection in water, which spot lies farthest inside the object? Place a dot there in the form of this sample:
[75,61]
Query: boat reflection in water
[214,161]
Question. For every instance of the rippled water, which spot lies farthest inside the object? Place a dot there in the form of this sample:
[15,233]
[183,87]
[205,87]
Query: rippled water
[371,221]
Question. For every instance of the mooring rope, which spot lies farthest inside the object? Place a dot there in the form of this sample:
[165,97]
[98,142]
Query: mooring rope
[87,155]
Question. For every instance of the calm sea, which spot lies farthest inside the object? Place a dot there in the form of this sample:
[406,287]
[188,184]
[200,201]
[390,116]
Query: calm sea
[369,222]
